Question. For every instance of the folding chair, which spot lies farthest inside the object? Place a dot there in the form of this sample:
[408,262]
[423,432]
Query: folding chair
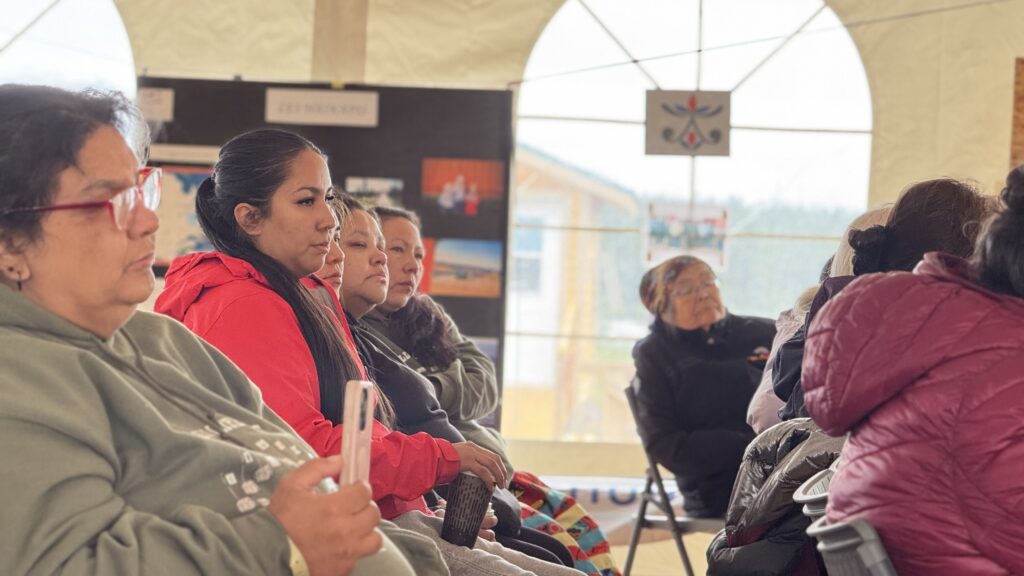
[654,493]
[813,494]
[851,548]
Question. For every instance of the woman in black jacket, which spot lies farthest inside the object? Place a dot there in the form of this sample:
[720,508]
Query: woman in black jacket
[696,373]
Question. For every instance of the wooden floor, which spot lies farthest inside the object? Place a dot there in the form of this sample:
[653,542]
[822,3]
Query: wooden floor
[661,558]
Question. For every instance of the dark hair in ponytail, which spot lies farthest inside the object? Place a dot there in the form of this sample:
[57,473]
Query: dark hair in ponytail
[868,248]
[942,215]
[249,169]
[1000,254]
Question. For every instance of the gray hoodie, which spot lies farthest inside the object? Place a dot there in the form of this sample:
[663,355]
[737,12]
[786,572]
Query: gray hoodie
[147,453]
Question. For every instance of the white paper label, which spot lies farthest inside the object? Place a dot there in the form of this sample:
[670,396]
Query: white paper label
[156,104]
[321,107]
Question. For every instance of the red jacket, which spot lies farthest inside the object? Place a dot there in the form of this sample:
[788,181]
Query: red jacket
[228,303]
[926,372]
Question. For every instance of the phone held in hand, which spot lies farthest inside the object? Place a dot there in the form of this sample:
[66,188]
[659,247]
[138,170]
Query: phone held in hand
[357,426]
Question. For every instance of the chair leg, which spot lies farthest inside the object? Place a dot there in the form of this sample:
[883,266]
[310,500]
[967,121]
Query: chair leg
[677,530]
[638,527]
[635,537]
[677,534]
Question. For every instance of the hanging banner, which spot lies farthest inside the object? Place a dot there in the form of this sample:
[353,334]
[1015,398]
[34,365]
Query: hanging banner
[676,228]
[686,123]
[321,107]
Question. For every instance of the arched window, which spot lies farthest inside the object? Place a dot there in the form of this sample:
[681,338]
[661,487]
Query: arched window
[583,187]
[71,44]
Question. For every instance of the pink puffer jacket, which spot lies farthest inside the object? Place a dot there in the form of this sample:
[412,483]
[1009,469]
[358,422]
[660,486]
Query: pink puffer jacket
[926,371]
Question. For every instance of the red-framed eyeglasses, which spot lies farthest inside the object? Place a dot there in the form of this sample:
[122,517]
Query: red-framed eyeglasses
[122,206]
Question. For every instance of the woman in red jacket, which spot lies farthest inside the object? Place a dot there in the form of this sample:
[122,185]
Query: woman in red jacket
[265,210]
[925,372]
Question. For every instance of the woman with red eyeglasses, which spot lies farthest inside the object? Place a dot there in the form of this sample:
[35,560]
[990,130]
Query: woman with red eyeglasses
[130,446]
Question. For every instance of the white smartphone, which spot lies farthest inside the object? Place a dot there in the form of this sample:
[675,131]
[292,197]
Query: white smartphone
[357,427]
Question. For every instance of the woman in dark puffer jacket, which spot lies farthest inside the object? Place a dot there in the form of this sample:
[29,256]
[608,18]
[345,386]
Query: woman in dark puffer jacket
[925,372]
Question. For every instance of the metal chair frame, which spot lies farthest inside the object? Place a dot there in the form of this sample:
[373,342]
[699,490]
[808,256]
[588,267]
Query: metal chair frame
[654,493]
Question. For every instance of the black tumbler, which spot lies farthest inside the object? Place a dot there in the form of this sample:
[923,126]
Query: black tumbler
[468,497]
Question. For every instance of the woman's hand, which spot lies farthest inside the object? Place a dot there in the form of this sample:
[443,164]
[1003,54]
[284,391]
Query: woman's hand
[487,526]
[483,463]
[332,531]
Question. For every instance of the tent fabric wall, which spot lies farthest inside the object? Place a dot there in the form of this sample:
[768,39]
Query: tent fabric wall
[269,41]
[454,43]
[941,89]
[434,43]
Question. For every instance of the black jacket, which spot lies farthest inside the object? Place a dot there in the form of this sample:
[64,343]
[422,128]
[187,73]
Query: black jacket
[787,367]
[693,388]
[765,531]
[411,395]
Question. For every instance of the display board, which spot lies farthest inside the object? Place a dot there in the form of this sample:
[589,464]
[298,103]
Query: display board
[442,153]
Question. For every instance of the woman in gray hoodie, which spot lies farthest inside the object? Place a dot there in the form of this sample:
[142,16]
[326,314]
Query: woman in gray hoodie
[129,445]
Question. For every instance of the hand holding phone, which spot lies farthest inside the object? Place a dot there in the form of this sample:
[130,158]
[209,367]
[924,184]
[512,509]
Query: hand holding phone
[357,427]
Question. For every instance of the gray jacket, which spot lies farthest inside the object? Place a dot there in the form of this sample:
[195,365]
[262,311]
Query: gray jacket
[147,453]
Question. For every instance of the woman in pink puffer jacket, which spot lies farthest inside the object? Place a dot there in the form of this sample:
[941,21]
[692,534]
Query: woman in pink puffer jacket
[926,373]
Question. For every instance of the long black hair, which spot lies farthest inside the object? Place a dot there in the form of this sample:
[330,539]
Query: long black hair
[1000,253]
[249,169]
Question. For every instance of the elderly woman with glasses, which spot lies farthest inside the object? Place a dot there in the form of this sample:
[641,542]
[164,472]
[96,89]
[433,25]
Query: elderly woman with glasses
[130,446]
[695,374]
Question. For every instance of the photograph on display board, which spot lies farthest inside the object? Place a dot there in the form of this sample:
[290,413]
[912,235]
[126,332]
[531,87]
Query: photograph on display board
[370,191]
[463,190]
[180,232]
[428,264]
[488,346]
[465,268]
[675,228]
